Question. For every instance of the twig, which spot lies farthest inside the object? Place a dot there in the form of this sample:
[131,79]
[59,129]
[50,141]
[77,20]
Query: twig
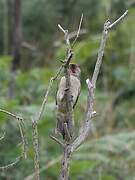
[2,137]
[74,34]
[23,137]
[57,140]
[78,32]
[10,114]
[86,127]
[35,123]
[35,148]
[61,28]
[100,55]
[47,93]
[11,164]
[58,72]
[67,133]
[69,130]
[87,122]
[66,35]
[21,128]
[69,55]
[118,20]
[44,100]
[91,88]
[47,166]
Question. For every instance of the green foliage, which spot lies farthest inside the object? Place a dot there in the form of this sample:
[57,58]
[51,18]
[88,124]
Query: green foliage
[4,72]
[109,152]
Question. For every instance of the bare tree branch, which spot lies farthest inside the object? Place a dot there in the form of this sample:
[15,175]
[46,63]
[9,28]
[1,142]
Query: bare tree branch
[11,164]
[78,32]
[91,88]
[21,129]
[64,174]
[47,166]
[61,28]
[70,147]
[44,100]
[57,140]
[72,35]
[23,138]
[68,130]
[10,114]
[47,93]
[118,20]
[35,124]
[35,148]
[2,137]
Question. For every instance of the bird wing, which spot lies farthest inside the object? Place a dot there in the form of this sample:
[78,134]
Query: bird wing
[61,90]
[75,89]
[79,91]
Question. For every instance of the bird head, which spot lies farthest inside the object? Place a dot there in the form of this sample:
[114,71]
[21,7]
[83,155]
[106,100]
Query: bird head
[74,69]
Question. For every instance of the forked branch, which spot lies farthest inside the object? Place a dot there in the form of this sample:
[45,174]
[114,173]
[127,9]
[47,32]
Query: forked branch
[91,83]
[86,127]
[23,139]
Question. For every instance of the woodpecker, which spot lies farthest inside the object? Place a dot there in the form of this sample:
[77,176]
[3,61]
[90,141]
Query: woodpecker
[75,87]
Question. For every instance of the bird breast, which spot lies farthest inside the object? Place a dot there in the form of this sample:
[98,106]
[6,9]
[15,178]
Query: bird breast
[74,89]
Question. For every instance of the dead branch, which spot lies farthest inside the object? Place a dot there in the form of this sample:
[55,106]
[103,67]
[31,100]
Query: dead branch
[118,20]
[78,32]
[92,85]
[70,147]
[20,122]
[47,93]
[64,175]
[57,140]
[23,137]
[47,166]
[68,58]
[11,164]
[10,114]
[68,132]
[35,121]
[35,148]
[72,35]
[2,137]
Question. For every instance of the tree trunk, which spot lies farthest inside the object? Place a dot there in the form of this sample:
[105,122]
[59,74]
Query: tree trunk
[10,24]
[16,45]
[17,35]
[5,27]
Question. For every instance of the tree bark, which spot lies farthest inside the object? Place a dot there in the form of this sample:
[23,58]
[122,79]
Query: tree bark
[17,35]
[5,27]
[16,45]
[10,25]
[64,175]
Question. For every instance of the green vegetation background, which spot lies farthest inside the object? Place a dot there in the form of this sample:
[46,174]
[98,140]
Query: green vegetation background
[109,152]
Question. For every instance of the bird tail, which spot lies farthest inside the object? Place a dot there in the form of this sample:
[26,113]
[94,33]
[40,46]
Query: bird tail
[60,124]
